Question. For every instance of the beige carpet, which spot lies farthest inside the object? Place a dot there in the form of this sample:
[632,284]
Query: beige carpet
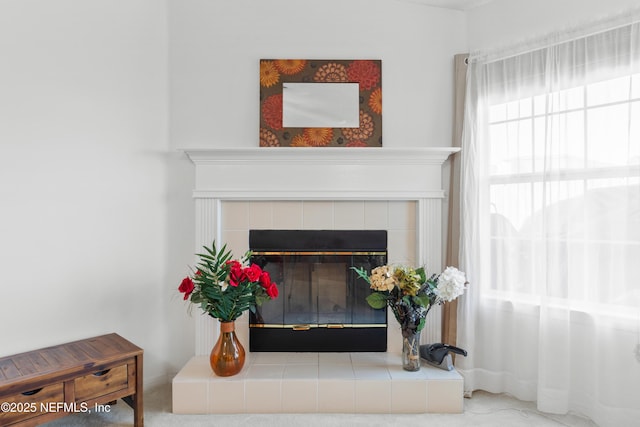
[484,409]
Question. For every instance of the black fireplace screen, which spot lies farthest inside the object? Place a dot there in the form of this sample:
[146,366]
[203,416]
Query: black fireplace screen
[322,303]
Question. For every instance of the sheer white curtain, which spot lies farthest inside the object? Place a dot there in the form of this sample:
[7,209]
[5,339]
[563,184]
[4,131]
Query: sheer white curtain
[551,226]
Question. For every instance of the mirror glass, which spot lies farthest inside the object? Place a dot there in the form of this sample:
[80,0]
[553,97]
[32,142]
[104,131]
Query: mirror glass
[320,105]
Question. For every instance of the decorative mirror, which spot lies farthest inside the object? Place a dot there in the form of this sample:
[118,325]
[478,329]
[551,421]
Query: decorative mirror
[320,103]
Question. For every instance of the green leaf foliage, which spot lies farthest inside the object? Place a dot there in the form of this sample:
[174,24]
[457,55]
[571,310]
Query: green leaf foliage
[422,300]
[213,291]
[362,273]
[377,300]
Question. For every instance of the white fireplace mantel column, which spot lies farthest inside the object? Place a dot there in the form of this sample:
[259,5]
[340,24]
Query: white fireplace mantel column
[332,173]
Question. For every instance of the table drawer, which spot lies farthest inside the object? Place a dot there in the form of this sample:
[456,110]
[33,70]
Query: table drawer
[101,383]
[29,404]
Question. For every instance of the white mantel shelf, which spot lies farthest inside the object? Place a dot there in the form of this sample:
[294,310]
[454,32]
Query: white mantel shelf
[333,155]
[285,173]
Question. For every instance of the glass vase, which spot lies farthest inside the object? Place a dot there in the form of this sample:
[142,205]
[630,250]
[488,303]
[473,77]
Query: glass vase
[411,350]
[227,356]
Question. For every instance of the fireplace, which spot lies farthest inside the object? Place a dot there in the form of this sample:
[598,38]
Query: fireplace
[290,176]
[322,303]
[395,189]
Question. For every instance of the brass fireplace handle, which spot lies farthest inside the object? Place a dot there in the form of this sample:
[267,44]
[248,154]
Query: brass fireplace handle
[306,327]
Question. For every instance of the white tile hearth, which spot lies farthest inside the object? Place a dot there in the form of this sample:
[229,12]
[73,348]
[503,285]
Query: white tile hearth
[317,383]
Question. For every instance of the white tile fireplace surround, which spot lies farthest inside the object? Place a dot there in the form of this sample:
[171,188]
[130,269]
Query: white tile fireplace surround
[396,189]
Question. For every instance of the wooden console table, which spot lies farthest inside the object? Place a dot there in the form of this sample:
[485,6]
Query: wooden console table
[81,376]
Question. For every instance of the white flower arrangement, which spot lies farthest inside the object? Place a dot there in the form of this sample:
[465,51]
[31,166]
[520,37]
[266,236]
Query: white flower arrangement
[451,284]
[409,292]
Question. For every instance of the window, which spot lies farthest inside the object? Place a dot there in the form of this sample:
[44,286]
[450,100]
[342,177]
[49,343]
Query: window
[564,176]
[550,222]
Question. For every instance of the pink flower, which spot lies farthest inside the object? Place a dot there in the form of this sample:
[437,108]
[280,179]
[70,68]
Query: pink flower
[265,280]
[186,286]
[236,274]
[253,273]
[272,290]
[234,263]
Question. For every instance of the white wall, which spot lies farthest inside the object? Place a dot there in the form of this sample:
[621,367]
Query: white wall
[96,215]
[90,194]
[501,23]
[216,47]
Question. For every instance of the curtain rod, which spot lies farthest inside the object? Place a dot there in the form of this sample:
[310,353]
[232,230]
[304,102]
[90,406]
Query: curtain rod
[556,38]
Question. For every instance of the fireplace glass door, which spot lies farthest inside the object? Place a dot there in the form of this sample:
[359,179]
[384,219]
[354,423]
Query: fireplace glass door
[322,302]
[319,289]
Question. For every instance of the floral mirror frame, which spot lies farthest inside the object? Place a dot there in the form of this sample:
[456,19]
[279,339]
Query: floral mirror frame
[275,72]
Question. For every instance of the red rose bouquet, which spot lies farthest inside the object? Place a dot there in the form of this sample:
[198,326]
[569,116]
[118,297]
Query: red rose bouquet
[224,288]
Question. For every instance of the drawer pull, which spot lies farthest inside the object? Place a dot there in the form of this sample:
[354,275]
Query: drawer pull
[101,373]
[32,392]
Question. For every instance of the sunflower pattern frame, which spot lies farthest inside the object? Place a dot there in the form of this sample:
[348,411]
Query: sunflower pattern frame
[275,72]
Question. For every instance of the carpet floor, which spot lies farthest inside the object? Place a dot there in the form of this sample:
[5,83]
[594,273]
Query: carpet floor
[483,409]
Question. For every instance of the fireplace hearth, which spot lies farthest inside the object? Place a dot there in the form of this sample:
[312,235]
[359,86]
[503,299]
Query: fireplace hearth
[322,303]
